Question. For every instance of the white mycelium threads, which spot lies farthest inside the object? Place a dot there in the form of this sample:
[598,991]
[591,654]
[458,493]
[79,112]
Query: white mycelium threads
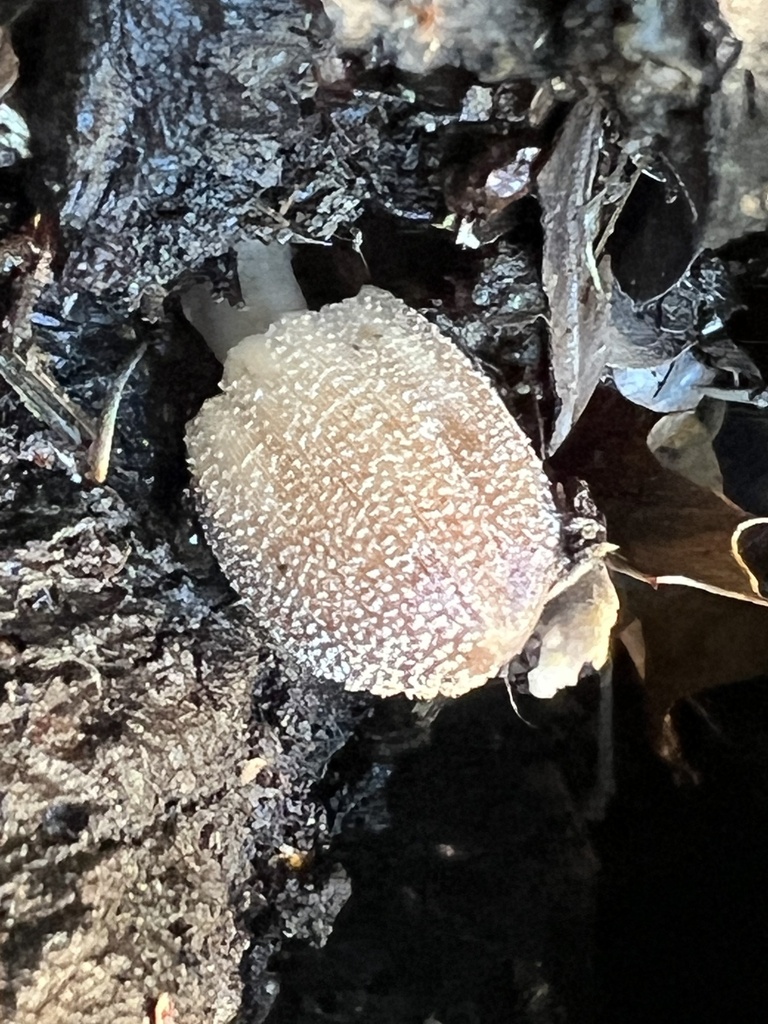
[372,500]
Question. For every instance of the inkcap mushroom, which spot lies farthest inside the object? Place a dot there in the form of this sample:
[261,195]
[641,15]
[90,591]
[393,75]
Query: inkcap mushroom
[373,502]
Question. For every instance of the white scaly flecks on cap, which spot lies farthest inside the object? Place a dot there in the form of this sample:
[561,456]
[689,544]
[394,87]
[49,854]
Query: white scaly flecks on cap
[374,503]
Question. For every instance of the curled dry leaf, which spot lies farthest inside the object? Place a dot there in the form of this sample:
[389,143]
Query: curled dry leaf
[683,640]
[669,351]
[741,447]
[682,442]
[668,529]
[671,386]
[9,62]
[565,188]
[575,630]
[749,545]
[664,351]
[582,335]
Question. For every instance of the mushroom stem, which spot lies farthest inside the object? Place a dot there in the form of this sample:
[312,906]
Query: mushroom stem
[269,290]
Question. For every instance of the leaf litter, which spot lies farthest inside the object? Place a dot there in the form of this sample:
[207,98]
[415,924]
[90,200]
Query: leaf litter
[283,133]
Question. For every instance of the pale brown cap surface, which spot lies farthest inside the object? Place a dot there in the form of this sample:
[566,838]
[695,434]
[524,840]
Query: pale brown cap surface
[374,503]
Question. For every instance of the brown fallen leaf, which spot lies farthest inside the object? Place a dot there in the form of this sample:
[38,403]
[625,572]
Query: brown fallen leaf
[749,546]
[575,630]
[682,443]
[684,640]
[579,216]
[668,529]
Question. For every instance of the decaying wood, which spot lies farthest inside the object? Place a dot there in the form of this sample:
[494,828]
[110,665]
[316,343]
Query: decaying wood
[577,306]
[162,832]
[22,363]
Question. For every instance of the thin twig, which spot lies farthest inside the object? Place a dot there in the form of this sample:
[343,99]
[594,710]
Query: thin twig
[101,449]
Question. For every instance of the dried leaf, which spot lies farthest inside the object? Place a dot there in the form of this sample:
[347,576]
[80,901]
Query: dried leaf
[9,62]
[576,307]
[691,641]
[741,446]
[633,640]
[671,386]
[575,630]
[749,545]
[682,442]
[668,529]
[667,352]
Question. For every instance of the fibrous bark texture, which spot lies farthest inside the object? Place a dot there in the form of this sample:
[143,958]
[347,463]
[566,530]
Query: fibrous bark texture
[182,807]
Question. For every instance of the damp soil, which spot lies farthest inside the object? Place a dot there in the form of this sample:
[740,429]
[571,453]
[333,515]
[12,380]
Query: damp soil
[681,915]
[483,889]
[185,813]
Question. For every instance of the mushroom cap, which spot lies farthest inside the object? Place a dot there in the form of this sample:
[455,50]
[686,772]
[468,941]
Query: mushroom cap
[373,502]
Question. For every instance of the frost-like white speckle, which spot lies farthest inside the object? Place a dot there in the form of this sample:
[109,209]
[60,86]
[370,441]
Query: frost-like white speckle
[373,501]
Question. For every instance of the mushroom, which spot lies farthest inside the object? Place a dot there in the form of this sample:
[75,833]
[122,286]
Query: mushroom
[373,502]
[268,289]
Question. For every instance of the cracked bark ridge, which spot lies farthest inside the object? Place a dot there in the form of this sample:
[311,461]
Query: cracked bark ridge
[169,131]
[134,843]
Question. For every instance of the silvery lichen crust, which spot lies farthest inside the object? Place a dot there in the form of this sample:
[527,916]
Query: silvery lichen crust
[372,500]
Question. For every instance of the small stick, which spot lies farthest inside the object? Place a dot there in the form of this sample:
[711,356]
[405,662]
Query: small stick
[101,449]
